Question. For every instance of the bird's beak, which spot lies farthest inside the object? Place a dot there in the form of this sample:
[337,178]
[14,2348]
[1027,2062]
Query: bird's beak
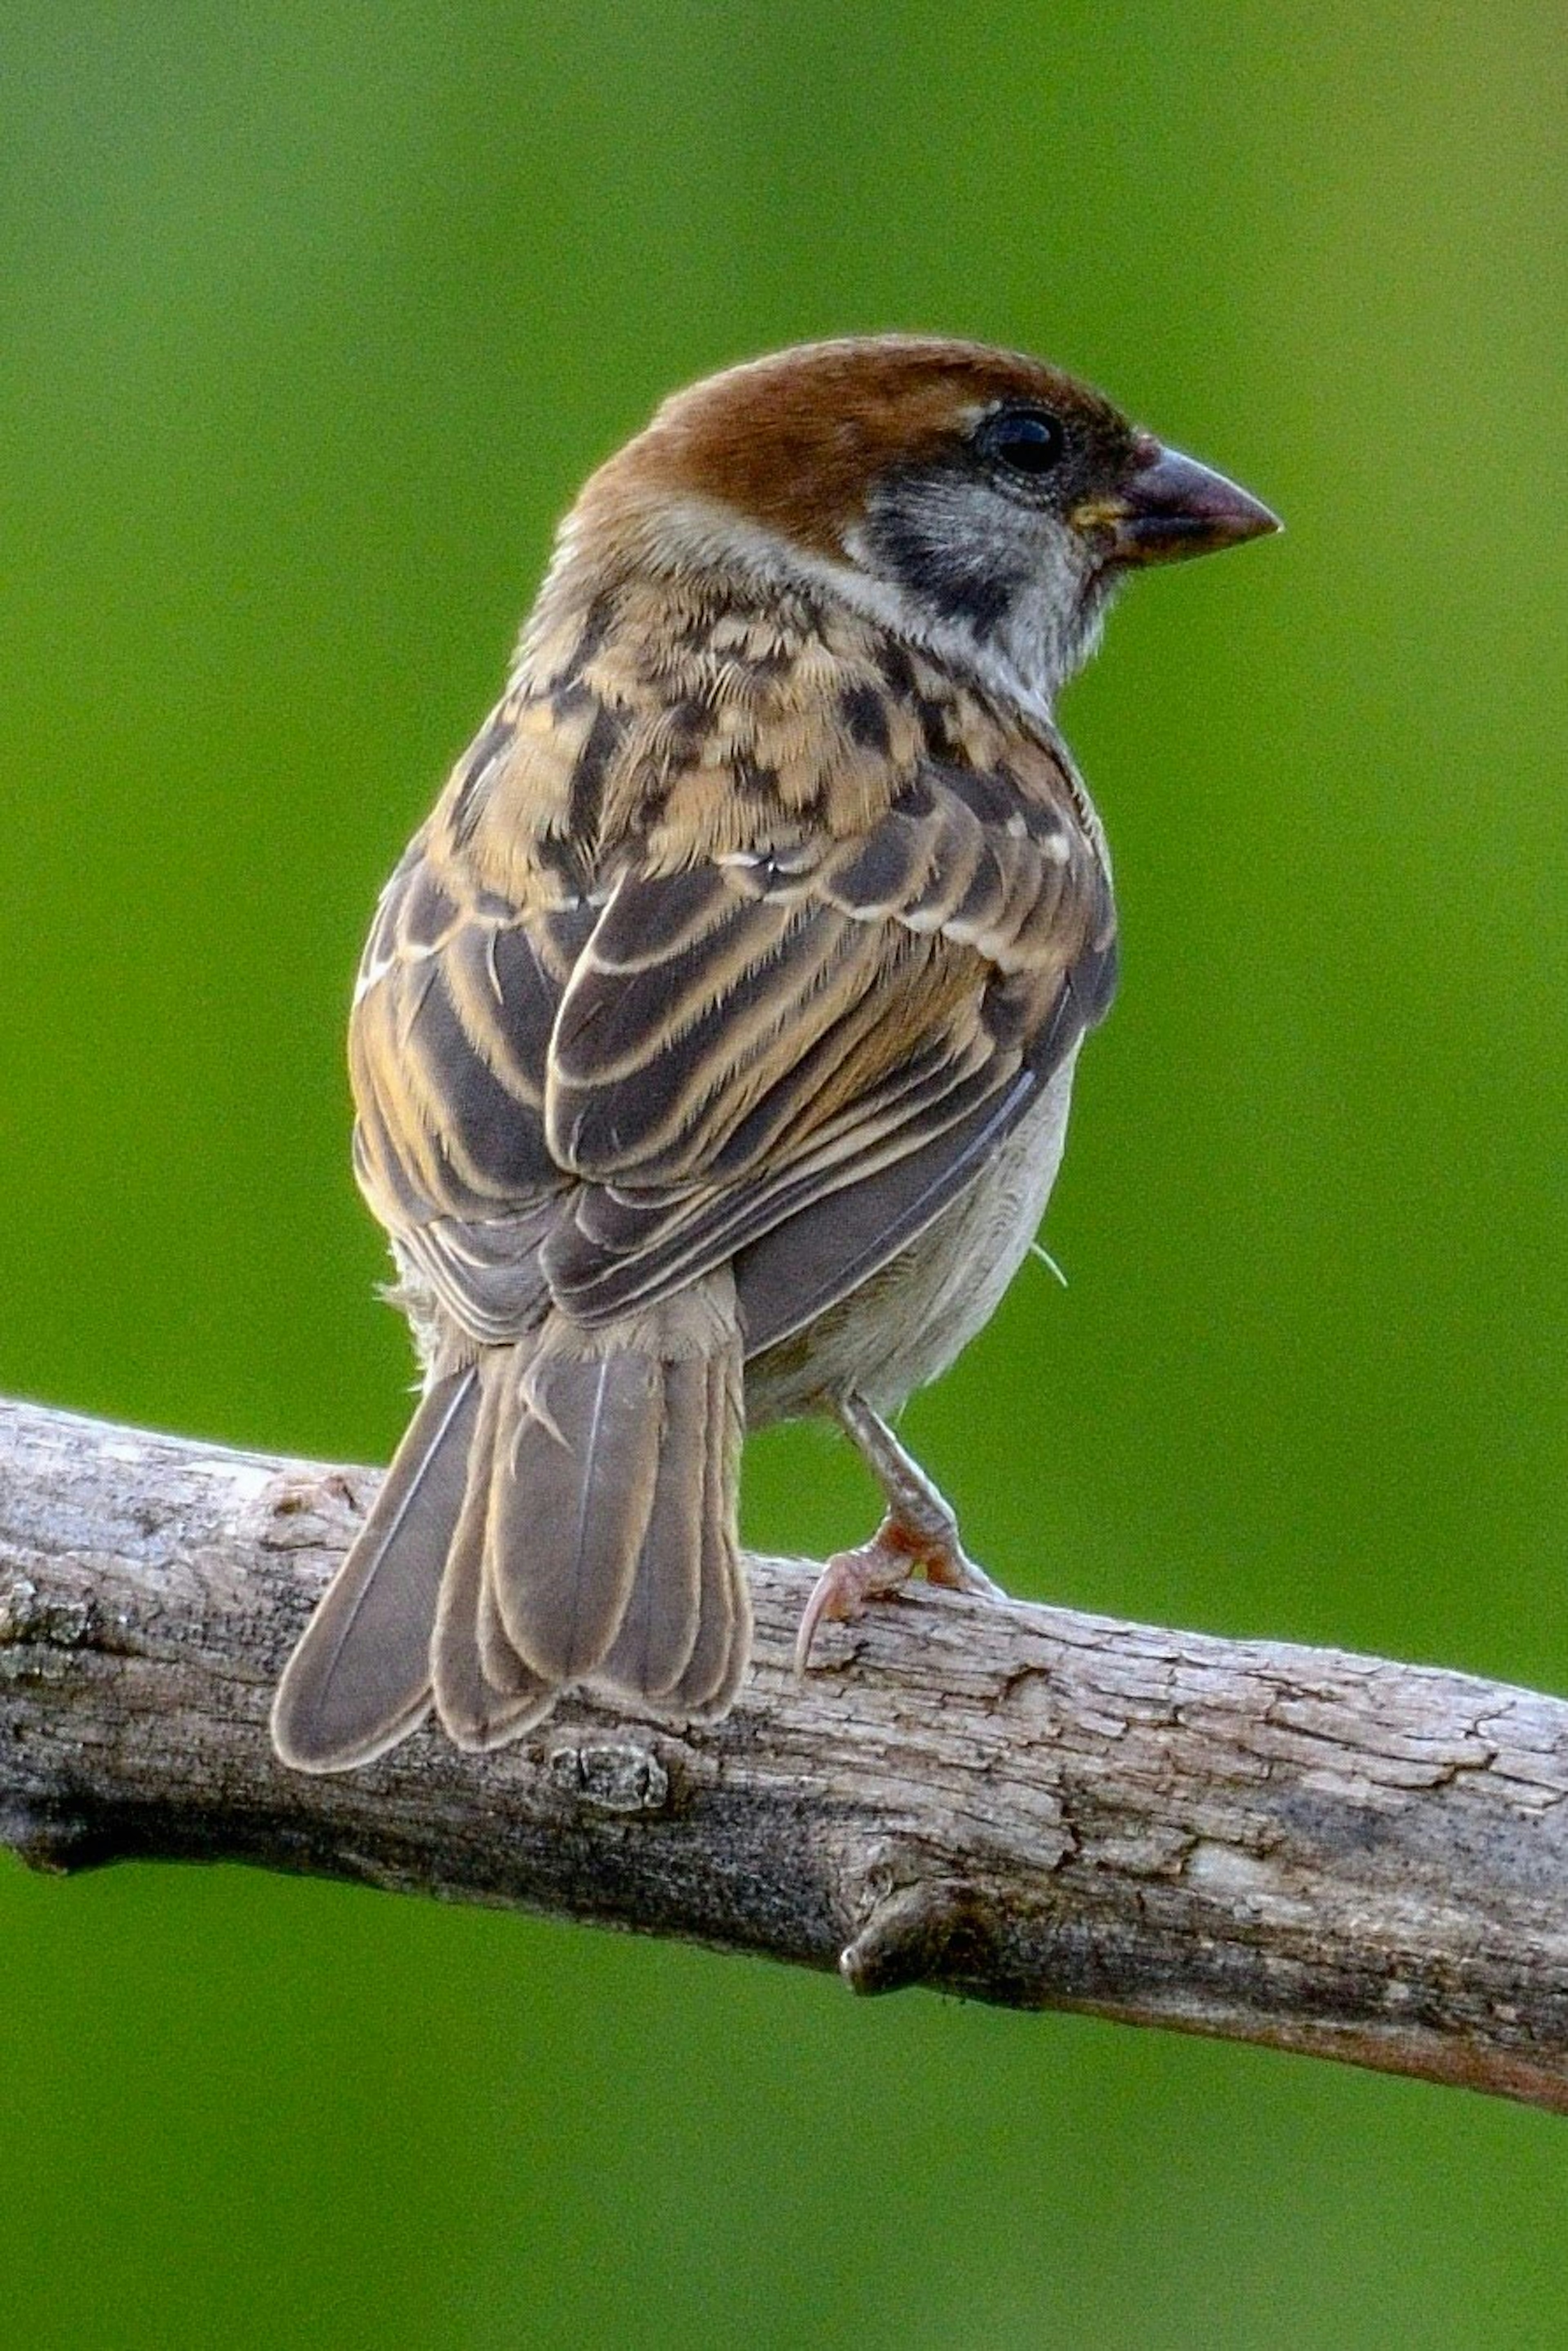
[1172,506]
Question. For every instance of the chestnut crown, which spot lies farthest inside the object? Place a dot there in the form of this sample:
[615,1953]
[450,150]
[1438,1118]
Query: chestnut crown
[977,499]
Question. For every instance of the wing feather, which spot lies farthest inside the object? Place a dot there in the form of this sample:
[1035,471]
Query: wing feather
[598,1052]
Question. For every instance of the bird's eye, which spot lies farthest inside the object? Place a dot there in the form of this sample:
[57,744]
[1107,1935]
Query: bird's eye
[1024,440]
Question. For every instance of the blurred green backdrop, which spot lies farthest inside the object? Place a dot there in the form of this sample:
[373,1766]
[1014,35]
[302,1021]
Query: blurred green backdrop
[313,315]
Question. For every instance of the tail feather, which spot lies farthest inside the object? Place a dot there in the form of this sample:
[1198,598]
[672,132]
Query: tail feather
[707,1687]
[570,1503]
[359,1679]
[502,1667]
[663,1616]
[479,1710]
[612,1560]
[561,1515]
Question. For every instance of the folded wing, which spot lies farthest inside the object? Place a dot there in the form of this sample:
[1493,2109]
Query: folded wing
[792,1054]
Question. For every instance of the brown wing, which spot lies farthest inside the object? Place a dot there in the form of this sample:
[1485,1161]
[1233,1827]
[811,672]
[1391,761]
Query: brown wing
[832,1044]
[448,1047]
[606,1064]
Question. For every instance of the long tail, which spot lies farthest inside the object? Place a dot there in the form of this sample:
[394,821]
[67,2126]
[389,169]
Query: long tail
[608,1558]
[359,1679]
[561,1516]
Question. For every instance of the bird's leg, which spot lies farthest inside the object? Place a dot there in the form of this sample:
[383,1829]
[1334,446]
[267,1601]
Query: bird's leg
[920,1530]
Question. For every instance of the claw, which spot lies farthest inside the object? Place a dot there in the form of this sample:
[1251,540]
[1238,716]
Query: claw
[919,1531]
[850,1579]
[878,1570]
[959,1572]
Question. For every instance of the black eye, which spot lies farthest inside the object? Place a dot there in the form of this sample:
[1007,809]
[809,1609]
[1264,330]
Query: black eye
[1024,440]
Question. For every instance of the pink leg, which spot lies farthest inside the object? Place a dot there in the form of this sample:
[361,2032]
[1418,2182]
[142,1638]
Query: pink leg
[919,1531]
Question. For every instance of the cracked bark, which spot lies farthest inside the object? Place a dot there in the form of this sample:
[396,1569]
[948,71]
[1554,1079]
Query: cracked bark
[1331,1853]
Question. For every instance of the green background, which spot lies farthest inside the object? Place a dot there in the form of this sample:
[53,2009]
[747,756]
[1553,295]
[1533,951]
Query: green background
[311,319]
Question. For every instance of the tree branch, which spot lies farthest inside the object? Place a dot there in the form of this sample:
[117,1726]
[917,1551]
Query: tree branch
[1326,1853]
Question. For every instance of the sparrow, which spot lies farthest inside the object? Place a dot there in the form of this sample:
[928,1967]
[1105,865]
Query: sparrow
[712,1046]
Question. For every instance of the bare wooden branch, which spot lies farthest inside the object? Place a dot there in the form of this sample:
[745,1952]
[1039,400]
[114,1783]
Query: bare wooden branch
[1331,1853]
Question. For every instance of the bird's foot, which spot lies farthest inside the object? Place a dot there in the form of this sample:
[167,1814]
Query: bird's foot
[879,1569]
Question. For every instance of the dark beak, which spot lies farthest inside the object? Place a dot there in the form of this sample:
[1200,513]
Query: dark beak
[1173,506]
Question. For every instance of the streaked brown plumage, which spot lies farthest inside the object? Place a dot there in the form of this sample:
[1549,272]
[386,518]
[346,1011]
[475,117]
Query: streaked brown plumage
[713,1037]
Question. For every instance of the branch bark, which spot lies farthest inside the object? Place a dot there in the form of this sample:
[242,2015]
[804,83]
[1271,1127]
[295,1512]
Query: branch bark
[1330,1853]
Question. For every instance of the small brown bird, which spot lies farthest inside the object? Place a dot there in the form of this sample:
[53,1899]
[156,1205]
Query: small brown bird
[713,1042]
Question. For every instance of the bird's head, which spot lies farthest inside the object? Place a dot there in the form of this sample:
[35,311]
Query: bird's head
[977,500]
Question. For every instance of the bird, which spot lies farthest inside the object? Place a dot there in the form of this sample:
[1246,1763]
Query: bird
[711,1046]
